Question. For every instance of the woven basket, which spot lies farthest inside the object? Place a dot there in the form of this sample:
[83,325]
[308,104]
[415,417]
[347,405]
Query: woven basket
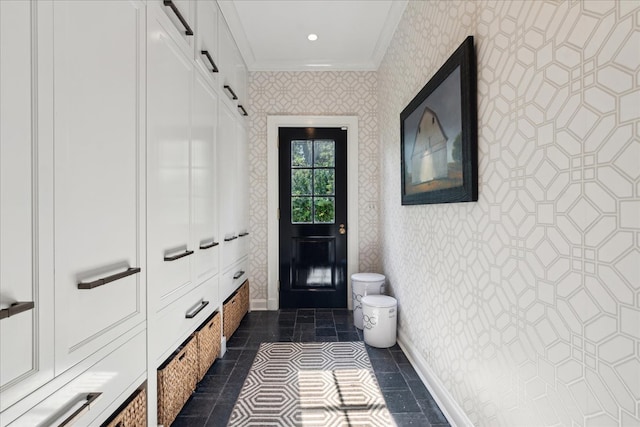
[208,337]
[177,379]
[133,413]
[234,309]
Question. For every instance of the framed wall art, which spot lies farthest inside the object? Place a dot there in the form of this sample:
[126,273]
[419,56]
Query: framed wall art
[439,135]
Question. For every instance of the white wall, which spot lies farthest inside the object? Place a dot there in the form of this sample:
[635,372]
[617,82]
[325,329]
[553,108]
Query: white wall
[526,304]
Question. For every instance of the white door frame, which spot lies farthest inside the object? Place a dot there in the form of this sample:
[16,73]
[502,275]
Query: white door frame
[273,123]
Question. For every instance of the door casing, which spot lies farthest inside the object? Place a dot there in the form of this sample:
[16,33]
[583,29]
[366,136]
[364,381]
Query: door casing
[273,123]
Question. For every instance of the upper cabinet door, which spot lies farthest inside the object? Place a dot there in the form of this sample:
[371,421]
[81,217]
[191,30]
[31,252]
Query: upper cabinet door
[242,199]
[169,251]
[228,185]
[204,227]
[26,355]
[207,54]
[182,15]
[99,64]
[228,79]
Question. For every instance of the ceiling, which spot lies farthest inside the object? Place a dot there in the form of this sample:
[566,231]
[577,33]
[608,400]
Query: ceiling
[352,34]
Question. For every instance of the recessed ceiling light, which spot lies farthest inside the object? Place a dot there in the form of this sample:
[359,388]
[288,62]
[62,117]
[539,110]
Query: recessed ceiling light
[312,37]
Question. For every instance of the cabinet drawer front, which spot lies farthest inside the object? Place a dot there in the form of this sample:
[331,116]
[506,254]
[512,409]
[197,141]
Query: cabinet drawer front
[233,278]
[114,377]
[176,322]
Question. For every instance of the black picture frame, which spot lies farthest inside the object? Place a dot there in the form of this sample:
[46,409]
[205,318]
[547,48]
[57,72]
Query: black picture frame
[439,135]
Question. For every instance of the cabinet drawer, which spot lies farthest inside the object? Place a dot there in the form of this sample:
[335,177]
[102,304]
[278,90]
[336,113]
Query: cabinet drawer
[182,317]
[233,278]
[109,381]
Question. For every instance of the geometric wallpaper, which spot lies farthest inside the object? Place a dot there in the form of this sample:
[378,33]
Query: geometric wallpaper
[525,304]
[313,93]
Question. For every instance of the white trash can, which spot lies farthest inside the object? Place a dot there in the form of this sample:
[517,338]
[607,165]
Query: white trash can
[364,284]
[380,314]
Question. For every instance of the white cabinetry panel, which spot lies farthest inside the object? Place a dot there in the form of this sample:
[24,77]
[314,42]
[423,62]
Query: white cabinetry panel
[169,104]
[242,199]
[181,14]
[98,85]
[26,355]
[204,225]
[227,161]
[207,39]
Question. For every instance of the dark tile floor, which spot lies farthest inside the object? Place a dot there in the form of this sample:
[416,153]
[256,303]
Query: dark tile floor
[407,398]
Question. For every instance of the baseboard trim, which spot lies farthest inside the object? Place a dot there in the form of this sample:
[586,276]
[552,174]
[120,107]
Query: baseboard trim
[258,305]
[450,408]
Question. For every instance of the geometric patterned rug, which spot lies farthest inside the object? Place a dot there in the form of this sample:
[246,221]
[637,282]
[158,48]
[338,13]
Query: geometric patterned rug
[311,384]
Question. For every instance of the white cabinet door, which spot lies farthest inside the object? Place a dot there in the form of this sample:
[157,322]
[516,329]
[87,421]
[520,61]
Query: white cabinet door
[98,51]
[204,224]
[228,184]
[207,56]
[228,61]
[169,80]
[182,15]
[26,332]
[242,200]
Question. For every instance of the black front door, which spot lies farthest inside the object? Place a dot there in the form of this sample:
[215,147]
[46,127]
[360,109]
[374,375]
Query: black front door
[313,217]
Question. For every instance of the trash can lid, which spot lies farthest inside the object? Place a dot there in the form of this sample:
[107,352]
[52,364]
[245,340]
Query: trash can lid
[367,277]
[379,301]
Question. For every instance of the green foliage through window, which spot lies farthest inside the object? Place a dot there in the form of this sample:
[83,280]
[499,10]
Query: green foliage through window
[312,175]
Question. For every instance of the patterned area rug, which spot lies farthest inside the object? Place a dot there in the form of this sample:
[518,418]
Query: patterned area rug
[311,384]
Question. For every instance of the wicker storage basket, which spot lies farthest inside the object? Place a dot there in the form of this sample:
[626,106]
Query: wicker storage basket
[234,309]
[133,413]
[177,379]
[208,337]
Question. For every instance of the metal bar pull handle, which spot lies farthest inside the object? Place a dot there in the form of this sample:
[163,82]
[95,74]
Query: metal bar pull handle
[175,257]
[89,400]
[242,110]
[209,245]
[187,29]
[194,313]
[15,308]
[228,239]
[208,56]
[109,279]
[246,233]
[230,93]
[238,275]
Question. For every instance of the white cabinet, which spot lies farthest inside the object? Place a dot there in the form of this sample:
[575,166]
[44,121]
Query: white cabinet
[204,217]
[228,185]
[98,142]
[169,81]
[71,197]
[232,81]
[234,186]
[181,14]
[242,198]
[207,53]
[26,330]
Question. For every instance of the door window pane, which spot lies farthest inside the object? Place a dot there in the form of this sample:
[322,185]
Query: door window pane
[324,182]
[324,209]
[301,182]
[301,154]
[324,154]
[301,210]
